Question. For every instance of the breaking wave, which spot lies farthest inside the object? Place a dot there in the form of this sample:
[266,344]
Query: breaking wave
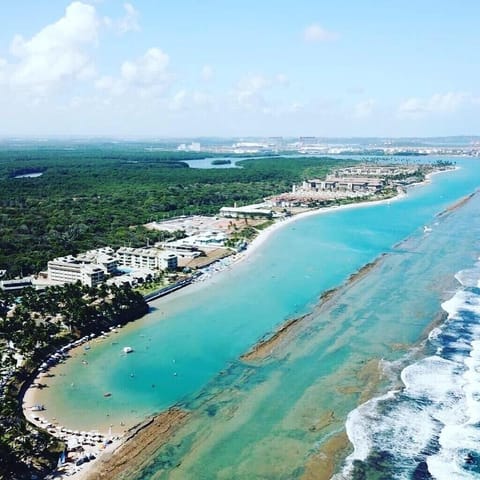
[429,429]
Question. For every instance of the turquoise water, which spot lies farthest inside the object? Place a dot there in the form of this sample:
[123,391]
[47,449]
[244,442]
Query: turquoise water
[256,421]
[207,162]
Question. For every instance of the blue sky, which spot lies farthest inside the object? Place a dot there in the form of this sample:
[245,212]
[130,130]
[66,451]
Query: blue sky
[225,68]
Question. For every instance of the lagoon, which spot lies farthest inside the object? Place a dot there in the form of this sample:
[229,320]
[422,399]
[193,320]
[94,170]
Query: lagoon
[258,418]
[29,175]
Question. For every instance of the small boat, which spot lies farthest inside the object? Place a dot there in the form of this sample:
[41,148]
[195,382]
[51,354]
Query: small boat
[426,229]
[127,349]
[107,394]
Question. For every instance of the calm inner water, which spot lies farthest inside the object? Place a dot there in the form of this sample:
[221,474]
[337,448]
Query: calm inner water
[269,420]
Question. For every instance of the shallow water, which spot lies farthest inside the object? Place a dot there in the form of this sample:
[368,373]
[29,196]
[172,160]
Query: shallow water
[268,420]
[430,427]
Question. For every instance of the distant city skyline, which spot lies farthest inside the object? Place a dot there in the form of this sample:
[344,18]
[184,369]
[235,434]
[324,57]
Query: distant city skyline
[237,69]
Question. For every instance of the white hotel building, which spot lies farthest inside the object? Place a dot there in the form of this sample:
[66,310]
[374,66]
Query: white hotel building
[70,270]
[151,258]
[92,267]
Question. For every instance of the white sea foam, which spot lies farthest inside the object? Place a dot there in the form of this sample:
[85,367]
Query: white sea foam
[444,467]
[433,378]
[357,427]
[469,277]
[437,415]
[463,300]
[433,335]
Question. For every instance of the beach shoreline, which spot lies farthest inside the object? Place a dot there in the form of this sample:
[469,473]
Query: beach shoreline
[120,436]
[253,248]
[268,232]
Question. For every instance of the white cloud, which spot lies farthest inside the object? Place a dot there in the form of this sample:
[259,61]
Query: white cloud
[149,69]
[177,102]
[202,99]
[184,100]
[59,52]
[207,73]
[3,65]
[114,86]
[129,23]
[282,79]
[148,75]
[316,33]
[364,108]
[250,91]
[438,103]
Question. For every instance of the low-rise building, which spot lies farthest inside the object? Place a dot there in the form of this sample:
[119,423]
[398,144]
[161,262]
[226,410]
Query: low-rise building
[70,269]
[152,258]
[104,257]
[182,249]
[95,266]
[248,211]
[15,285]
[352,184]
[90,267]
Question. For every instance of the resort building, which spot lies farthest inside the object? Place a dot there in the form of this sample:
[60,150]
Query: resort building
[383,171]
[104,257]
[70,270]
[181,249]
[90,268]
[151,258]
[353,184]
[95,266]
[205,239]
[15,285]
[248,211]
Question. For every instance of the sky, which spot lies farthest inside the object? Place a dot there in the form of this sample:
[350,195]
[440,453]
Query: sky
[192,68]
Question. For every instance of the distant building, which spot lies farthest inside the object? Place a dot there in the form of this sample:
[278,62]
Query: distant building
[193,147]
[209,239]
[383,171]
[152,258]
[249,211]
[251,147]
[182,249]
[204,239]
[15,285]
[354,184]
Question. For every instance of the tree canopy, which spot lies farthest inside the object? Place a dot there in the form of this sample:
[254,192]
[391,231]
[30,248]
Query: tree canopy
[100,194]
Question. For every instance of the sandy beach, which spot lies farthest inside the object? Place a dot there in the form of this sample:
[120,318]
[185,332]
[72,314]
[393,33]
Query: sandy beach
[122,436]
[119,434]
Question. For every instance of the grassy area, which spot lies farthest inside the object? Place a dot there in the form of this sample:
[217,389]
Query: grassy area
[264,225]
[150,287]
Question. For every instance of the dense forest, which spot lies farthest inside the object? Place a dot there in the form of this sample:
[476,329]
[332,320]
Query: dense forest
[90,195]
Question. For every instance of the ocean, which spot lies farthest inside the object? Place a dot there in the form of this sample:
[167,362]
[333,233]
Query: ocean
[380,360]
[430,426]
